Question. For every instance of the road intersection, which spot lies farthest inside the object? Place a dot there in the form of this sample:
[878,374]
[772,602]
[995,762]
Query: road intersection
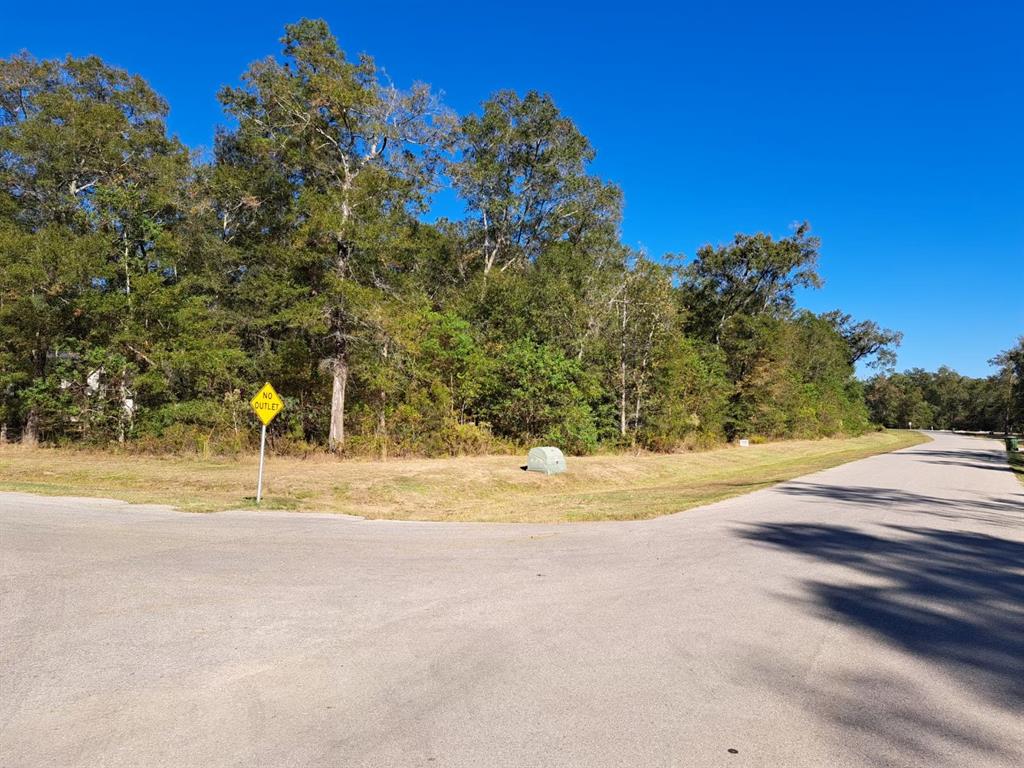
[867,615]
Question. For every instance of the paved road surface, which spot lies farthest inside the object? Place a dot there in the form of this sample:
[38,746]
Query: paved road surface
[869,615]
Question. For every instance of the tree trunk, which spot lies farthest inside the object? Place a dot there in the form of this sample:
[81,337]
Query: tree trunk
[382,426]
[127,405]
[339,363]
[622,398]
[490,249]
[1008,425]
[30,434]
[127,274]
[622,372]
[339,375]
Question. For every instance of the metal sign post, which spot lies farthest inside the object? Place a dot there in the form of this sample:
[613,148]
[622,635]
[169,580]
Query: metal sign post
[267,405]
[263,445]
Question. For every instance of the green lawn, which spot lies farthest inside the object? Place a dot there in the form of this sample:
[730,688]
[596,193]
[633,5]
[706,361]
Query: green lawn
[1016,460]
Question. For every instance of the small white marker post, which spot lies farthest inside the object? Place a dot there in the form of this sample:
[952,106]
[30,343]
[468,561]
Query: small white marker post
[267,405]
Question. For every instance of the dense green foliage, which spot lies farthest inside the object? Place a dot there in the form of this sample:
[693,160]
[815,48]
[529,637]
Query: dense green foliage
[145,294]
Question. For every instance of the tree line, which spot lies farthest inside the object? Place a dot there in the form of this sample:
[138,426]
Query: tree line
[147,292]
[945,399]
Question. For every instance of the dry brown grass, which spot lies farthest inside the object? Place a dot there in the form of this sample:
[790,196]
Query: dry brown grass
[490,488]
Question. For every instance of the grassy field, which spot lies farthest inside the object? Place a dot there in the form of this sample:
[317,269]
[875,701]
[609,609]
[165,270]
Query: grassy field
[1017,464]
[490,488]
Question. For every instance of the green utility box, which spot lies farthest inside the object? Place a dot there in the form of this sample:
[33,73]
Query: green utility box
[1012,444]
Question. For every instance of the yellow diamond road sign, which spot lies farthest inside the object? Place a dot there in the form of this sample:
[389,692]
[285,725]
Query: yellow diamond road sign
[267,404]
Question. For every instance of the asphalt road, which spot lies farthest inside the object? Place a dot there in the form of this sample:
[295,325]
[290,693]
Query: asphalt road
[869,615]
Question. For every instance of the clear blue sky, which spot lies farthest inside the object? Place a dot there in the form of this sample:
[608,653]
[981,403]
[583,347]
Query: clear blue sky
[896,128]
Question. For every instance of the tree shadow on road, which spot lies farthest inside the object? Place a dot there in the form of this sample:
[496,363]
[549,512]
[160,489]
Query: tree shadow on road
[1001,510]
[888,719]
[995,457]
[954,598]
[991,466]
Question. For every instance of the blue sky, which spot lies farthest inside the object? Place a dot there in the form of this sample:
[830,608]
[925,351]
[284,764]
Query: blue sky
[896,129]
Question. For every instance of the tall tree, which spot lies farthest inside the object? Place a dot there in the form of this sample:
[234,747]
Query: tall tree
[644,318]
[93,189]
[351,158]
[752,275]
[521,168]
[1010,380]
[866,340]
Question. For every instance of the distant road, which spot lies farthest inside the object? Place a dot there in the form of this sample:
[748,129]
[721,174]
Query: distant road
[868,615]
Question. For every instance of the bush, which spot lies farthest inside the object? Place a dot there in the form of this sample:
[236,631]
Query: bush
[190,439]
[199,426]
[535,392]
[575,432]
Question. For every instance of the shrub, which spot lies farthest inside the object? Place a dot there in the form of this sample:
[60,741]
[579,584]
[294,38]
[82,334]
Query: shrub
[536,392]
